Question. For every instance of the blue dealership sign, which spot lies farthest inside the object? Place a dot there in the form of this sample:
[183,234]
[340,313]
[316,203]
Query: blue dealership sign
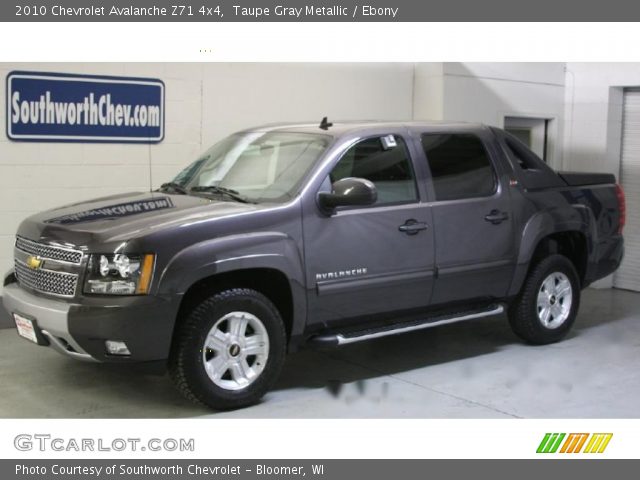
[58,107]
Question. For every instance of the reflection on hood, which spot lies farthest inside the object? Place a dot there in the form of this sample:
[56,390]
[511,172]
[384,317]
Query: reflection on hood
[114,211]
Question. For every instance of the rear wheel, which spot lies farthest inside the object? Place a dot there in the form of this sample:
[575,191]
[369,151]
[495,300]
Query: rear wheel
[229,349]
[548,303]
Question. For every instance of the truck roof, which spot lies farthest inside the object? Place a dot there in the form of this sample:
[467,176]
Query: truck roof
[341,128]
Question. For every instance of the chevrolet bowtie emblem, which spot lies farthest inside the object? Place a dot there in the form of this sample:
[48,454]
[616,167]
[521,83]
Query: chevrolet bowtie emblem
[34,263]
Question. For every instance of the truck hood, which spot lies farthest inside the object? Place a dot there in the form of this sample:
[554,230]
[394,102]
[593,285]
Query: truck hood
[124,217]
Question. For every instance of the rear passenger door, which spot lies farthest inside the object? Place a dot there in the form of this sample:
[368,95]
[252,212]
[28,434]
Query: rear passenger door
[473,221]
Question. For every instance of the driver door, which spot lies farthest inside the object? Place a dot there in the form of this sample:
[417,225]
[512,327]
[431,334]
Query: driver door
[375,259]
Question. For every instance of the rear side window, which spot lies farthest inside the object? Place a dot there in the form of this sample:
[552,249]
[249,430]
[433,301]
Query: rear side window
[526,159]
[385,162]
[460,166]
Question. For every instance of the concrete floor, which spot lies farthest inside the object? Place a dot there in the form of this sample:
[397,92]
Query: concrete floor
[5,321]
[468,370]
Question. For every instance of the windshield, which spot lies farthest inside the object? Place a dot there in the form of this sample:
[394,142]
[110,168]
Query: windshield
[258,166]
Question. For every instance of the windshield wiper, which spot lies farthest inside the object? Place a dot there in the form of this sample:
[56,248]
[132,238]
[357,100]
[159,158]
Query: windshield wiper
[173,186]
[234,194]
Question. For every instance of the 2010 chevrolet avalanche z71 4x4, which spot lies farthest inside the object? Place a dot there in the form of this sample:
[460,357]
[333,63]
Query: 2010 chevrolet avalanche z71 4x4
[331,234]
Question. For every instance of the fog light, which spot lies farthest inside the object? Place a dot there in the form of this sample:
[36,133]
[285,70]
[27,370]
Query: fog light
[117,348]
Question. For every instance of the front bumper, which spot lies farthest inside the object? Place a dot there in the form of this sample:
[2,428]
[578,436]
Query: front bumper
[51,317]
[80,330]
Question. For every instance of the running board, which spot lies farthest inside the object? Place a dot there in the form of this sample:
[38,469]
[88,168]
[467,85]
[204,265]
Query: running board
[344,338]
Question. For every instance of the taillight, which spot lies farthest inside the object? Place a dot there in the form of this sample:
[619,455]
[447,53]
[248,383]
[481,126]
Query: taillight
[622,208]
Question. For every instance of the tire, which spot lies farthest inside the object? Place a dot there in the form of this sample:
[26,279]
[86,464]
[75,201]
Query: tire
[544,311]
[218,339]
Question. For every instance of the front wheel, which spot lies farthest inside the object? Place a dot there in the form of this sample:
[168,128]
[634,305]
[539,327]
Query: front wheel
[229,349]
[547,305]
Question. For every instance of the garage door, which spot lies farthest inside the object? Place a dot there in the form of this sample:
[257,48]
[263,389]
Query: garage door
[628,276]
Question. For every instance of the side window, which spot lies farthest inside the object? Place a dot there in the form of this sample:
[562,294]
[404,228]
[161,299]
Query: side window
[385,162]
[460,166]
[527,160]
[529,168]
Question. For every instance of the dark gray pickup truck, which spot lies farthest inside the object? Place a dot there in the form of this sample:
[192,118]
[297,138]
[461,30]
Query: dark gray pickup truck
[288,235]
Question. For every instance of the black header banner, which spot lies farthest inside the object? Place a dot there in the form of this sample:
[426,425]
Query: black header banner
[318,11]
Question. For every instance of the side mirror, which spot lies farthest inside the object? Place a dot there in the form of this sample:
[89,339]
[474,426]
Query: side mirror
[349,191]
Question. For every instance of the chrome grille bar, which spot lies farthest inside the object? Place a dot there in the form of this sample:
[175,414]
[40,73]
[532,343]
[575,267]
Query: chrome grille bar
[51,252]
[61,284]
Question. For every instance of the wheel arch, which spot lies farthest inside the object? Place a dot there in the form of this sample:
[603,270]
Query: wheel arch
[571,244]
[570,233]
[268,262]
[270,282]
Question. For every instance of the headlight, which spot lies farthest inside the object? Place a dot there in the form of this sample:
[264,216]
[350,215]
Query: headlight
[119,274]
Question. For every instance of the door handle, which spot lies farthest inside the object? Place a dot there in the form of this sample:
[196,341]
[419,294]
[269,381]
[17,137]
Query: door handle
[496,217]
[412,227]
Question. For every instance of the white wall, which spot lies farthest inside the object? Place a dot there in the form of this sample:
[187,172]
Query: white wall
[204,102]
[240,95]
[593,105]
[489,92]
[428,91]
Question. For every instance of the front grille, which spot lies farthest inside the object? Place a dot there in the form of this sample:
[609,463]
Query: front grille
[46,281]
[43,250]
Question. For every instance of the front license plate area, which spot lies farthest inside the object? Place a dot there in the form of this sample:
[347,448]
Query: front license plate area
[28,329]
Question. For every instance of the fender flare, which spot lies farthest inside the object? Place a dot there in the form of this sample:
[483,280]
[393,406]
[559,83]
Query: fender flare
[265,250]
[574,218]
